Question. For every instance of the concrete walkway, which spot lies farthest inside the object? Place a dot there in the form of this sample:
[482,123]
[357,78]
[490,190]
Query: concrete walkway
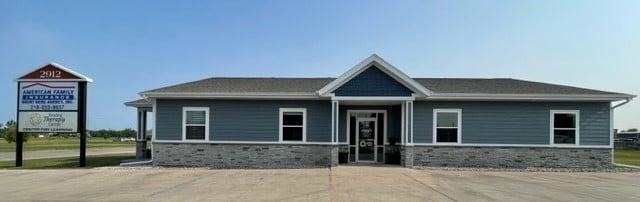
[40,154]
[345,183]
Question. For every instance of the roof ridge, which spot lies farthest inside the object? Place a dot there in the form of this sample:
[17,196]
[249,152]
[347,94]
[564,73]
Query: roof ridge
[266,77]
[462,78]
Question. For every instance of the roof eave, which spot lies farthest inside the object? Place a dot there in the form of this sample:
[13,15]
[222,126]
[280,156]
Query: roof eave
[530,97]
[266,95]
[136,105]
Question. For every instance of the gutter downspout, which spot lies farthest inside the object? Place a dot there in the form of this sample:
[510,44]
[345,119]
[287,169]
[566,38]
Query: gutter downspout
[627,100]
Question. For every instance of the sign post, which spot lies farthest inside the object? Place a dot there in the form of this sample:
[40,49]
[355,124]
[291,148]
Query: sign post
[52,99]
[19,140]
[82,123]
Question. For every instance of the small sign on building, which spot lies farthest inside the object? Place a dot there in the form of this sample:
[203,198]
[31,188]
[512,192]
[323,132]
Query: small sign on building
[52,99]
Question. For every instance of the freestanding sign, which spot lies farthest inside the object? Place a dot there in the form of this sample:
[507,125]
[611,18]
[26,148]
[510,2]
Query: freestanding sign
[52,99]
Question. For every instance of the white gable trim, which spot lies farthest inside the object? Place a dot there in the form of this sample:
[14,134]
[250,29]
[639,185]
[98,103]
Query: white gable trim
[70,71]
[382,65]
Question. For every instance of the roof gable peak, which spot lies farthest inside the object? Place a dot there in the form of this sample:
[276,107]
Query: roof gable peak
[377,61]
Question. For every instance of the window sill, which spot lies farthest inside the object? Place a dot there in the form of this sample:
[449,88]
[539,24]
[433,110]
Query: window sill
[195,140]
[447,143]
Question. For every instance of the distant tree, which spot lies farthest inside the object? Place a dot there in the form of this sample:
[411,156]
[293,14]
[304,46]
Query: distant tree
[10,123]
[126,133]
[10,134]
[8,131]
[632,130]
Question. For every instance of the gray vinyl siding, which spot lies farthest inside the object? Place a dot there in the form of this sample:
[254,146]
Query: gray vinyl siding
[243,120]
[482,122]
[514,122]
[393,122]
[372,82]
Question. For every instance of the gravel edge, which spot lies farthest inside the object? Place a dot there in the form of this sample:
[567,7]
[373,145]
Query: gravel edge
[614,169]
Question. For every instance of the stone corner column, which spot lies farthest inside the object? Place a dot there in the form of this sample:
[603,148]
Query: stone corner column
[406,156]
[335,153]
[141,147]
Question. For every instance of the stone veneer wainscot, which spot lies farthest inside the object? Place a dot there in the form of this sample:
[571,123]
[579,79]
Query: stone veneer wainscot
[244,155]
[512,157]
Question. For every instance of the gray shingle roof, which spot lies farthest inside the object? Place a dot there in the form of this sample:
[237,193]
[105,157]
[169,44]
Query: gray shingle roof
[311,85]
[138,103]
[248,85]
[501,86]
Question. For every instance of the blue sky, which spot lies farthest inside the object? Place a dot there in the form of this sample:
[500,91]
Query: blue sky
[127,46]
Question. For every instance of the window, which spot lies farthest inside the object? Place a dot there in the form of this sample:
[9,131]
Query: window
[293,125]
[446,126]
[195,124]
[565,126]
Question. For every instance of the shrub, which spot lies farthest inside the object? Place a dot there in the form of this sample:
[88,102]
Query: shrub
[10,135]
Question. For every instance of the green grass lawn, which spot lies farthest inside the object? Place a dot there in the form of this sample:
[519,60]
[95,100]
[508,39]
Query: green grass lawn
[627,156]
[69,162]
[62,143]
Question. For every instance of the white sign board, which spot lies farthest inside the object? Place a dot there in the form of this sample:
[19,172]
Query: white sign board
[48,96]
[48,122]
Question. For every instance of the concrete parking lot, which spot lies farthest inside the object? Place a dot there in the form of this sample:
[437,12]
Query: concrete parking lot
[344,183]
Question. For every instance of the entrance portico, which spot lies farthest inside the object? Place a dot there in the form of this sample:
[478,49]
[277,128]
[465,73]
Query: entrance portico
[373,129]
[143,108]
[374,89]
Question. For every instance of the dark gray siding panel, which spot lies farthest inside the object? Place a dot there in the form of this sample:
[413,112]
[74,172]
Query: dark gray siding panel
[422,122]
[393,122]
[373,82]
[244,120]
[513,122]
[168,121]
[594,124]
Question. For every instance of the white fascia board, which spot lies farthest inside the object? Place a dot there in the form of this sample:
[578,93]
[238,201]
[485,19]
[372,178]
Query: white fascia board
[372,98]
[384,66]
[138,105]
[70,71]
[232,95]
[527,97]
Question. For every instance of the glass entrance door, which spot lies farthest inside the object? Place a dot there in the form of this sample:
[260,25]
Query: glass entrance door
[366,140]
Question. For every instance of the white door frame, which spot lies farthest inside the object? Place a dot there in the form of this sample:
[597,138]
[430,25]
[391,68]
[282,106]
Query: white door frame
[375,139]
[384,132]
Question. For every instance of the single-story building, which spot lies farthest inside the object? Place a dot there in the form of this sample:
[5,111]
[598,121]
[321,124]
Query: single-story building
[374,113]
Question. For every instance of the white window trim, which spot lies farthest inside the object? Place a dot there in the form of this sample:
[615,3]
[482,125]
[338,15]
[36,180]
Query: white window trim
[184,123]
[304,123]
[552,126]
[435,126]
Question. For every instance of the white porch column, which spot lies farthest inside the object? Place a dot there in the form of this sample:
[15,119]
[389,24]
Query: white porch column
[402,123]
[141,143]
[409,118]
[335,121]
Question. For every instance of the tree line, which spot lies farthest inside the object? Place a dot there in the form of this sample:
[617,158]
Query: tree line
[8,133]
